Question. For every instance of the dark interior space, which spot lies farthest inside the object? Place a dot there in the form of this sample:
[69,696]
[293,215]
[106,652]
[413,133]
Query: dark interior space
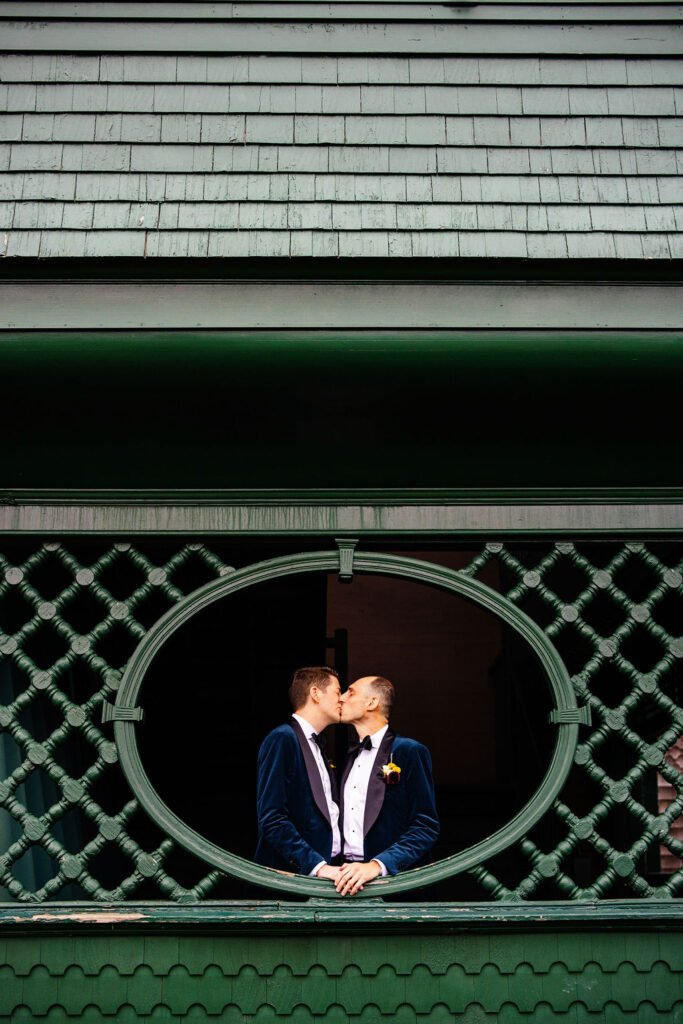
[215,690]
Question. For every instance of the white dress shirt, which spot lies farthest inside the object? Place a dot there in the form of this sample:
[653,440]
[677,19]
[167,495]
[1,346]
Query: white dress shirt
[310,733]
[355,796]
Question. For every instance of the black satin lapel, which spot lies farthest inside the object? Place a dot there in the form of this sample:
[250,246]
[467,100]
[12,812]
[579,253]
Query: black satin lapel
[376,785]
[312,771]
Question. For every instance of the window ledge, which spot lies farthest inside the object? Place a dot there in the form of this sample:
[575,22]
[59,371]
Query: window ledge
[373,913]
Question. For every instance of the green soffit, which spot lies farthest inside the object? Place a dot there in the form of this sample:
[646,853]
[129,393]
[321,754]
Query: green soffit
[328,409]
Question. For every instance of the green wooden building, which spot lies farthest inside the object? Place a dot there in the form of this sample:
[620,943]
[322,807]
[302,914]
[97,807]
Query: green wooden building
[341,333]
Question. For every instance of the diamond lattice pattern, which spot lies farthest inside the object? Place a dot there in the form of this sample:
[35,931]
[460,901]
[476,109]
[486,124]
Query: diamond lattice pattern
[72,617]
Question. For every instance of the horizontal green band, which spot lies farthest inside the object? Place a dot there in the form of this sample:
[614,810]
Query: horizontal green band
[355,410]
[274,916]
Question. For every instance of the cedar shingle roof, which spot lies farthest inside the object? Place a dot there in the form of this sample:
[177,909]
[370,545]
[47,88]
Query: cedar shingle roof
[332,153]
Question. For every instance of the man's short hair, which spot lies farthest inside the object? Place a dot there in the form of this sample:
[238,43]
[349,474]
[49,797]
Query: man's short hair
[305,678]
[384,690]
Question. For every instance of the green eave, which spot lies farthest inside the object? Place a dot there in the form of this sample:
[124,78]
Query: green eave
[332,409]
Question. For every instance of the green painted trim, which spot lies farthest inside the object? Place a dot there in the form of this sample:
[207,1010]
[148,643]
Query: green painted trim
[324,515]
[324,496]
[378,565]
[539,308]
[375,10]
[380,37]
[376,915]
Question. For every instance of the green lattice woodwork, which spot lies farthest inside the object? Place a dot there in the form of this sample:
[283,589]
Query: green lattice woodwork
[530,573]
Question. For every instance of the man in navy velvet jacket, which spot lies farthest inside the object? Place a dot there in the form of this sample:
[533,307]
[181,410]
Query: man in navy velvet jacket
[387,808]
[297,809]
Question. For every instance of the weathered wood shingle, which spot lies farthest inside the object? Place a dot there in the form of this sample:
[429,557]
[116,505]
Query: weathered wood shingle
[445,154]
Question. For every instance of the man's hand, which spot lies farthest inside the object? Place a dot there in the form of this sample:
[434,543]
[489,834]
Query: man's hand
[327,871]
[352,877]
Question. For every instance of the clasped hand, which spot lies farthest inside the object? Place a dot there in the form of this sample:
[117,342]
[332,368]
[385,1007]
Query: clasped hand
[350,878]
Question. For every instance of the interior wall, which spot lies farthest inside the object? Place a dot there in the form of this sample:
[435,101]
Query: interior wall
[439,651]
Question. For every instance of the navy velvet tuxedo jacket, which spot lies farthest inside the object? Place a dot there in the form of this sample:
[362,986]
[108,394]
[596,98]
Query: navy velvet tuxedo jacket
[400,824]
[294,828]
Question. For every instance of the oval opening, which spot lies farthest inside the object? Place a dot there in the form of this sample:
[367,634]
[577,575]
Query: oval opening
[473,680]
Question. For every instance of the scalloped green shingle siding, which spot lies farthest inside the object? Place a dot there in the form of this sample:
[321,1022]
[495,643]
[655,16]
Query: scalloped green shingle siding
[351,977]
[459,143]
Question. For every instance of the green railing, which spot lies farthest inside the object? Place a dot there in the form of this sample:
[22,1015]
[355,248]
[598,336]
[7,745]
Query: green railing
[61,614]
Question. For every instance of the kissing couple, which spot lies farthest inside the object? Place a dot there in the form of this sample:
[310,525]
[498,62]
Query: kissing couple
[377,818]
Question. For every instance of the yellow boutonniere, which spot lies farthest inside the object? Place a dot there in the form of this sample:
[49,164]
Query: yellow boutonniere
[391,773]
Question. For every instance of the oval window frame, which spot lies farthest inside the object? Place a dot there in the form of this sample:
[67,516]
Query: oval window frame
[345,562]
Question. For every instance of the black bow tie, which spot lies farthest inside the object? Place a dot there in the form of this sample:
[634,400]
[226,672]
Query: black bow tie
[320,740]
[364,744]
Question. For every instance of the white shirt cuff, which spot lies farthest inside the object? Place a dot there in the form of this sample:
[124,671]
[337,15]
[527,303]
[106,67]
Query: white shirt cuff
[384,870]
[316,869]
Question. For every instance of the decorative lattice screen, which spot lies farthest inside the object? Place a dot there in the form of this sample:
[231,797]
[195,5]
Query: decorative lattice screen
[71,615]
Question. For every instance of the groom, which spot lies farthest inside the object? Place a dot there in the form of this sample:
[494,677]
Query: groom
[298,814]
[387,808]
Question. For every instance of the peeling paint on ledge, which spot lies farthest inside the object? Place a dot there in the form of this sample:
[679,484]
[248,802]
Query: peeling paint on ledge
[96,917]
